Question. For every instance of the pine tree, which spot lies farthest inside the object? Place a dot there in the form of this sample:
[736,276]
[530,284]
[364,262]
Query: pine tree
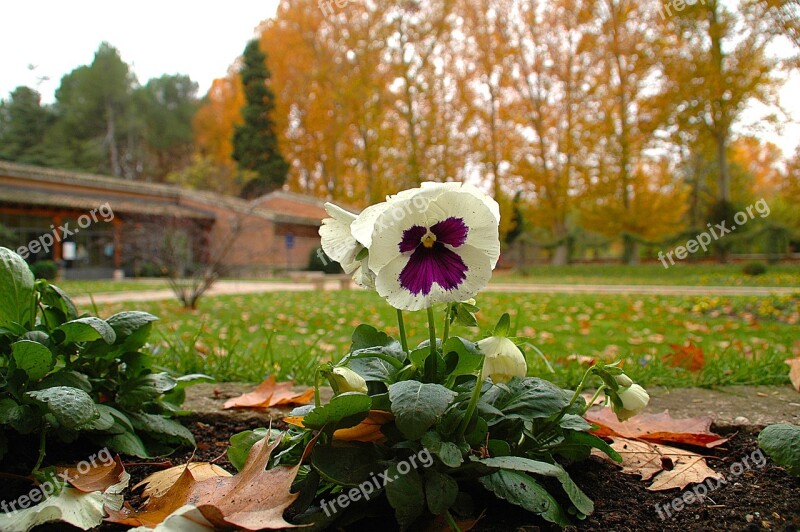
[255,144]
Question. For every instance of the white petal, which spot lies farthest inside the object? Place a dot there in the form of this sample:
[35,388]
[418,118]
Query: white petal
[362,227]
[340,214]
[337,241]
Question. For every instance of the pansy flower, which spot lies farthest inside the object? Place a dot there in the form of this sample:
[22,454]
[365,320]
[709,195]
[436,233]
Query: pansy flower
[437,243]
[339,244]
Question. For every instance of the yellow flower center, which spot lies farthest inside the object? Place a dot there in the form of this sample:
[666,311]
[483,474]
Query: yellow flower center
[428,240]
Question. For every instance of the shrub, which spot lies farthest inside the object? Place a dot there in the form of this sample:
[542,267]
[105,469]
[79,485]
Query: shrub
[754,268]
[318,261]
[69,376]
[44,269]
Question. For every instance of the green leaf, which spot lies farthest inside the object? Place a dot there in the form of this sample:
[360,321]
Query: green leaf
[406,495]
[70,378]
[503,326]
[469,357]
[54,297]
[8,410]
[782,443]
[33,358]
[416,406]
[528,398]
[575,442]
[346,464]
[126,443]
[583,503]
[241,444]
[574,422]
[441,491]
[87,329]
[132,328]
[366,340]
[161,427]
[18,301]
[70,406]
[104,422]
[344,410]
[520,489]
[446,451]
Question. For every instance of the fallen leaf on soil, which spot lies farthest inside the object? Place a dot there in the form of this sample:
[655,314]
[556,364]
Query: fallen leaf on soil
[439,524]
[794,372]
[656,427]
[669,467]
[160,482]
[687,356]
[269,393]
[254,499]
[97,478]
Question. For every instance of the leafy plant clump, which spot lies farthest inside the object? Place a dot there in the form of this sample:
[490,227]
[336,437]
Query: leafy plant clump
[66,376]
[428,435]
[754,268]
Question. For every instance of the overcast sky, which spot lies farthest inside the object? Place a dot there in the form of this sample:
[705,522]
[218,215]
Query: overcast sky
[199,38]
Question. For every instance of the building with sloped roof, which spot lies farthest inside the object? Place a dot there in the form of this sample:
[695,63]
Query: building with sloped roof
[96,225]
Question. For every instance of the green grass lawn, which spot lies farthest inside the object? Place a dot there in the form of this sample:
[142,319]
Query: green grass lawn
[244,337]
[680,274]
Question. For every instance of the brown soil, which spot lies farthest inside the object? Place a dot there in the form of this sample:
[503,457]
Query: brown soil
[764,498]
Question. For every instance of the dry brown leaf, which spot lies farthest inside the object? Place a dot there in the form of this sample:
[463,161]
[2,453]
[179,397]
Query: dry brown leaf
[254,499]
[97,478]
[669,467]
[271,393]
[687,356]
[439,523]
[159,482]
[794,372]
[656,427]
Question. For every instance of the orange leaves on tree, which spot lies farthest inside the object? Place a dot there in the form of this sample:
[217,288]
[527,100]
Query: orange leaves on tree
[794,372]
[687,356]
[656,428]
[254,499]
[270,393]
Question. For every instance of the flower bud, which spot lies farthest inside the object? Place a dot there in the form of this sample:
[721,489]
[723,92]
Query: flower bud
[623,380]
[634,399]
[503,359]
[348,380]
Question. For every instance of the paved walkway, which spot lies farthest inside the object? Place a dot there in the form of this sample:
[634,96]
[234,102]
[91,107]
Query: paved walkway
[256,287]
[728,406]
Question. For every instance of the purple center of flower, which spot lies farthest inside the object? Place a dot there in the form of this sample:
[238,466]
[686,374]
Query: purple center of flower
[432,261]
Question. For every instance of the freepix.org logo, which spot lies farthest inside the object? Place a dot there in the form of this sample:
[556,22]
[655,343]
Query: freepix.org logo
[63,232]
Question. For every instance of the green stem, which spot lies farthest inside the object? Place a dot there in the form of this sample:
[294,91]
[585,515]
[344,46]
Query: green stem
[473,403]
[600,390]
[432,331]
[401,324]
[451,522]
[41,449]
[316,387]
[446,333]
[575,396]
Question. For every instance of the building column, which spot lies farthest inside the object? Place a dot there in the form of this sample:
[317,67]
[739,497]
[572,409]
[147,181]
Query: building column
[118,273]
[57,254]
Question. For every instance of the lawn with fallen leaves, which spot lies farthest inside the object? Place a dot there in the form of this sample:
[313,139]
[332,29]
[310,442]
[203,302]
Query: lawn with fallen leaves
[673,341]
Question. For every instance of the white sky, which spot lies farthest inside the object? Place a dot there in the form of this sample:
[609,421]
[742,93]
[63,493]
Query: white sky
[199,38]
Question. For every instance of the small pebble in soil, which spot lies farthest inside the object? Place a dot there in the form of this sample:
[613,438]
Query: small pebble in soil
[741,420]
